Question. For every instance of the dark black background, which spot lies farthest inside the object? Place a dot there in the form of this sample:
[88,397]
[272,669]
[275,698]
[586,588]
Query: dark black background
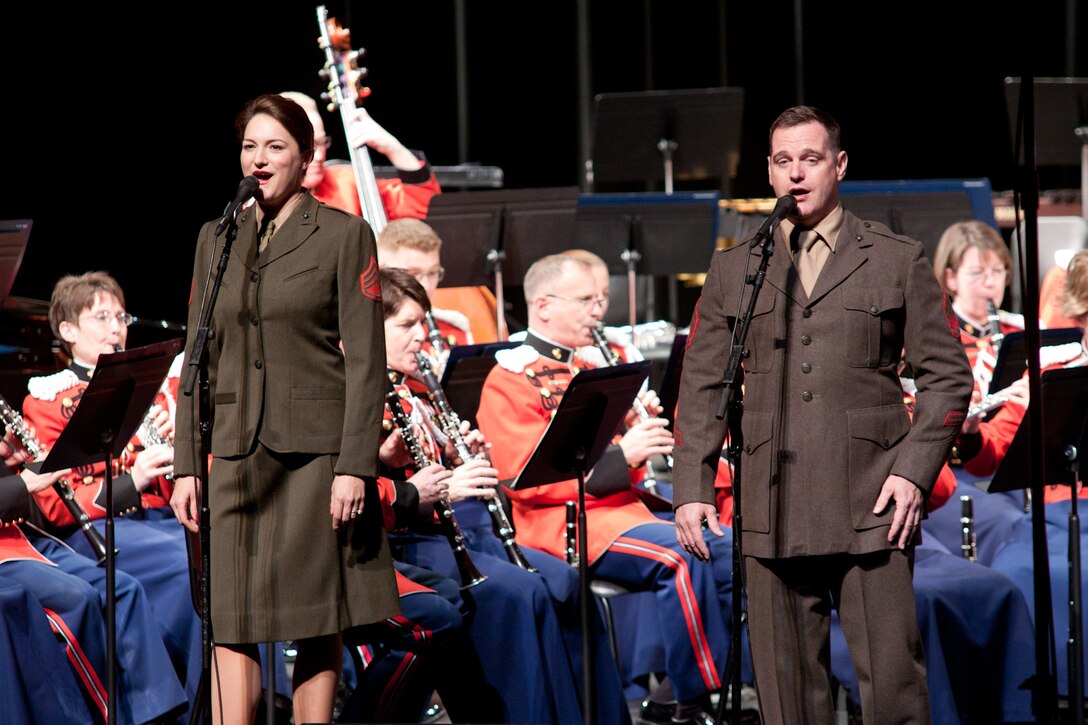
[118,126]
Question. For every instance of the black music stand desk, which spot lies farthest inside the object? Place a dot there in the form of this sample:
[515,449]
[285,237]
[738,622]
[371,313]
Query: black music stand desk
[111,409]
[1065,442]
[592,409]
[466,370]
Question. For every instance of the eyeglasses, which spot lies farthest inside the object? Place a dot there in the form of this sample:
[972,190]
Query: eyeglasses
[102,317]
[998,273]
[436,274]
[322,142]
[587,303]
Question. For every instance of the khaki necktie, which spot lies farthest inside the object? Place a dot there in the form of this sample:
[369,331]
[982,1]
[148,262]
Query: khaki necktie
[811,255]
[265,236]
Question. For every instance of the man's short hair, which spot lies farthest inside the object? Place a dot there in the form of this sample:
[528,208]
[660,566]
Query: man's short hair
[1074,299]
[399,285]
[544,272]
[75,293]
[408,233]
[593,260]
[800,115]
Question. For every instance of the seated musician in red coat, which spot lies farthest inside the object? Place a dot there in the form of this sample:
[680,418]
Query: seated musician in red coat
[972,264]
[409,195]
[88,317]
[627,543]
[982,446]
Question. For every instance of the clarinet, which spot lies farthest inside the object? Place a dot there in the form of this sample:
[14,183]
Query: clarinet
[470,575]
[450,424]
[611,359]
[150,436]
[969,547]
[17,426]
[993,317]
[572,534]
[438,344]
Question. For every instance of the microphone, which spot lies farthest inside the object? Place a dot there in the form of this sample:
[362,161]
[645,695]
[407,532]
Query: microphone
[246,189]
[786,205]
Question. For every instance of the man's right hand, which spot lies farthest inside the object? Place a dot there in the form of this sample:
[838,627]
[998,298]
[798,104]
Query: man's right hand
[689,528]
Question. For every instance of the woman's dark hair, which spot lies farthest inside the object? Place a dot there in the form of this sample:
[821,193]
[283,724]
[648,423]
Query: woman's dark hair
[398,285]
[290,115]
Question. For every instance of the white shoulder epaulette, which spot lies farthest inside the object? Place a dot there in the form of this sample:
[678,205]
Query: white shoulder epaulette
[591,355]
[175,367]
[1012,319]
[46,387]
[1058,354]
[451,317]
[516,359]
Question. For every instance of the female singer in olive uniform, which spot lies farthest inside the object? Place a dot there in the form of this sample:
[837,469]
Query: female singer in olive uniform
[296,426]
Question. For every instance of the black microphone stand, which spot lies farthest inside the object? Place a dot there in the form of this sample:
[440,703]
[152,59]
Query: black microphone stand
[732,403]
[198,368]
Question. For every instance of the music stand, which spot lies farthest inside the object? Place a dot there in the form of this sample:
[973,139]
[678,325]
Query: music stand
[1065,438]
[14,235]
[494,236]
[649,136]
[591,410]
[1012,358]
[466,370]
[651,233]
[110,410]
[1061,123]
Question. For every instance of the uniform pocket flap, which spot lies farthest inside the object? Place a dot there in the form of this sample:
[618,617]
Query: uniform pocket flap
[758,429]
[874,300]
[885,425]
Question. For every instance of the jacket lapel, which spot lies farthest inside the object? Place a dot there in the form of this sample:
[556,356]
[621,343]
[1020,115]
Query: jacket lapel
[851,251]
[296,230]
[246,241]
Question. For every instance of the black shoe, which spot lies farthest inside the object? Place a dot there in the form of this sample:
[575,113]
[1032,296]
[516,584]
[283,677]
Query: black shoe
[655,713]
[697,717]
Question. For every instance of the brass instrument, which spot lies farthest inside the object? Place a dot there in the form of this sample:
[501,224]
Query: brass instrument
[470,575]
[18,427]
[572,533]
[450,423]
[969,547]
[611,359]
[438,344]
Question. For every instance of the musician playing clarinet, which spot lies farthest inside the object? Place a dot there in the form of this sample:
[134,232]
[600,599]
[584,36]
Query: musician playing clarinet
[627,543]
[525,627]
[88,317]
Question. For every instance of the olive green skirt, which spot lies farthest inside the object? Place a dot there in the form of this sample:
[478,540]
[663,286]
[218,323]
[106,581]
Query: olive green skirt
[279,571]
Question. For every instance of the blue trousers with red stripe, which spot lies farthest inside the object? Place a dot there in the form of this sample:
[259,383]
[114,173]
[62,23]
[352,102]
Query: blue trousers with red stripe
[513,626]
[148,686]
[689,611]
[151,546]
[38,685]
[425,649]
[561,580]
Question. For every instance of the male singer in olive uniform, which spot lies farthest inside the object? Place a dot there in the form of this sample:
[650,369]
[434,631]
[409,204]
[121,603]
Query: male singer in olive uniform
[834,474]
